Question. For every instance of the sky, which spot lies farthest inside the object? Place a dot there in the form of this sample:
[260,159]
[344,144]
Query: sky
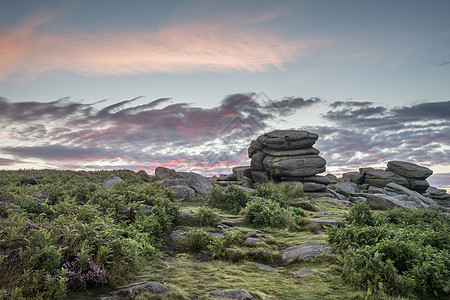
[110,84]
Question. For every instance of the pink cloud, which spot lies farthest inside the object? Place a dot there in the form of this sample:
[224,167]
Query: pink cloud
[40,45]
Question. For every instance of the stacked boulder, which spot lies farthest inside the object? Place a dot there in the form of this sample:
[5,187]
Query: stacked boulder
[406,174]
[288,155]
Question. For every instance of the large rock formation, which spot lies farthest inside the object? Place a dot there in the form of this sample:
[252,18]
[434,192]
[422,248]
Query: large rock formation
[288,155]
[406,174]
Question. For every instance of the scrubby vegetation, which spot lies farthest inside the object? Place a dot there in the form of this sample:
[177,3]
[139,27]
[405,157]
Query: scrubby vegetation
[64,231]
[231,199]
[398,252]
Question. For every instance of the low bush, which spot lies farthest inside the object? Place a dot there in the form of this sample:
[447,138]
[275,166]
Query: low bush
[282,193]
[265,212]
[232,198]
[205,216]
[219,243]
[195,240]
[398,252]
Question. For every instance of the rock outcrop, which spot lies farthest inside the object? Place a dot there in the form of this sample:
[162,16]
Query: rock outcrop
[401,184]
[406,174]
[287,156]
[186,185]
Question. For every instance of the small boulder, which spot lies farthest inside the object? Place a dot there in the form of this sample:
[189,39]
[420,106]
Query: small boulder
[177,235]
[149,287]
[254,234]
[306,205]
[111,181]
[250,241]
[308,250]
[163,172]
[241,171]
[327,222]
[346,188]
[233,294]
[183,192]
[199,183]
[355,177]
[186,219]
[264,267]
[304,272]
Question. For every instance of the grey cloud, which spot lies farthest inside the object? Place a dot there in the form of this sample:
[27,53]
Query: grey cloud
[32,111]
[350,103]
[7,162]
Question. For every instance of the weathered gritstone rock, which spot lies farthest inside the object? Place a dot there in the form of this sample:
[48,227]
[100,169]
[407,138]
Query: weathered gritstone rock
[355,177]
[199,183]
[294,166]
[307,250]
[257,162]
[288,139]
[384,201]
[380,178]
[264,267]
[346,188]
[111,181]
[409,170]
[313,187]
[125,293]
[250,241]
[241,172]
[183,192]
[317,179]
[174,181]
[328,222]
[287,155]
[233,294]
[304,272]
[163,172]
[415,196]
[297,152]
[418,185]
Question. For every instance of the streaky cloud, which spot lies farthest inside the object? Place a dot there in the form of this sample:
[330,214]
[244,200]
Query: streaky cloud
[40,44]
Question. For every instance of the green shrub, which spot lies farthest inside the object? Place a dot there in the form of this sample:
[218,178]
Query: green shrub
[195,240]
[398,252]
[205,216]
[232,198]
[219,243]
[282,193]
[265,212]
[217,246]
